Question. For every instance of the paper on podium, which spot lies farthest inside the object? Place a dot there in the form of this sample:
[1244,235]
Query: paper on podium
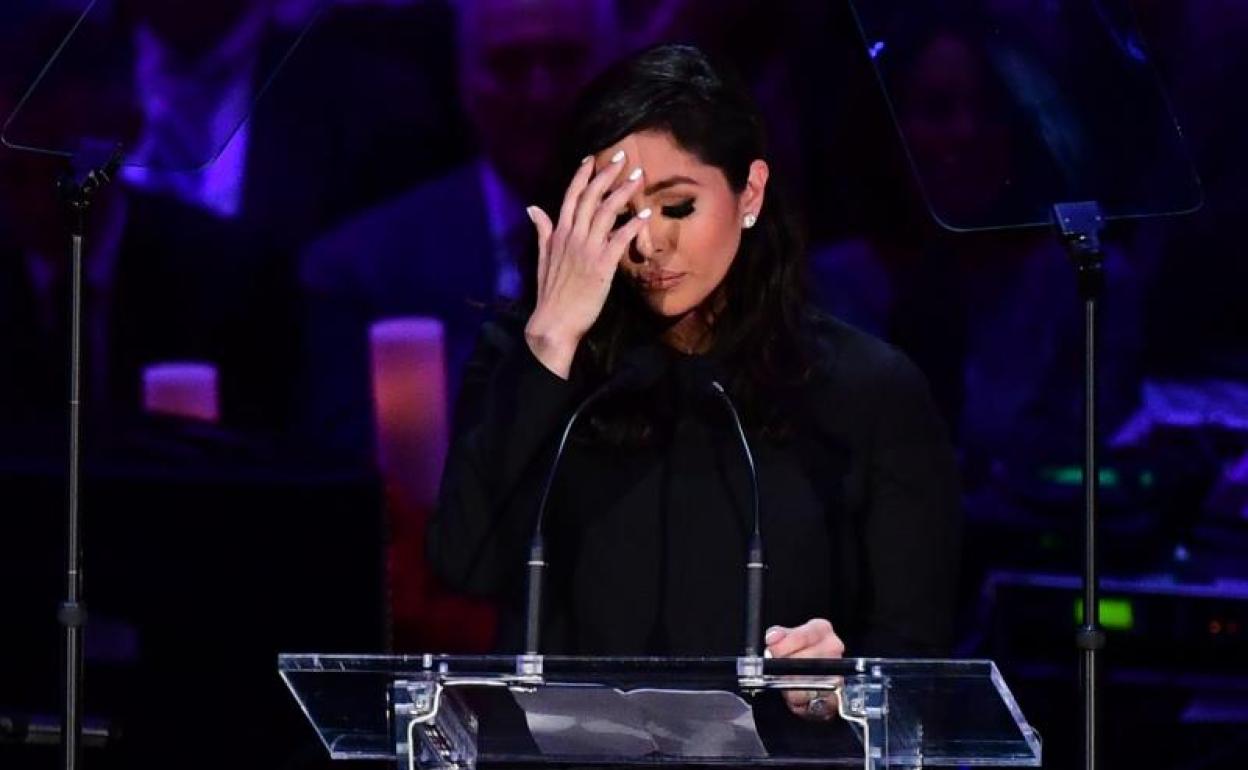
[596,721]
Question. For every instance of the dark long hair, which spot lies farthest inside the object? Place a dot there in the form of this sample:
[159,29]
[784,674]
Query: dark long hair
[761,337]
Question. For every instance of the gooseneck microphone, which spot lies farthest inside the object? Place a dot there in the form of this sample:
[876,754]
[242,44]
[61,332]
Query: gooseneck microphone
[754,563]
[639,368]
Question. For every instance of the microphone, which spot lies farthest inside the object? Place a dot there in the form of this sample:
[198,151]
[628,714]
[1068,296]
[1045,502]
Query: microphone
[754,563]
[639,369]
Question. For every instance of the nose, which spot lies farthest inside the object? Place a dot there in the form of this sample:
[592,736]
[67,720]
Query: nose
[641,247]
[648,245]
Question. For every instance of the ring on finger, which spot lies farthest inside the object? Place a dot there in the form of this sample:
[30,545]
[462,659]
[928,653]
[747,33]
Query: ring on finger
[818,706]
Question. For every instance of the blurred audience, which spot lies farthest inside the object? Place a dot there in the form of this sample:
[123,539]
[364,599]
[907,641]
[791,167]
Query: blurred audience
[396,149]
[445,136]
[344,106]
[195,67]
[992,315]
[1197,318]
[451,247]
[162,281]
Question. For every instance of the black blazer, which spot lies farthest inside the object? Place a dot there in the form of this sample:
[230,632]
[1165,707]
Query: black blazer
[861,511]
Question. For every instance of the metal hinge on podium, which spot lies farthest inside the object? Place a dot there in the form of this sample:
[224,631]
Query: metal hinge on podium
[863,702]
[433,728]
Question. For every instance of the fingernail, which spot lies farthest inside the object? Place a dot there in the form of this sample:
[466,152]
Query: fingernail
[617,157]
[767,654]
[586,159]
[644,214]
[774,633]
[532,212]
[635,175]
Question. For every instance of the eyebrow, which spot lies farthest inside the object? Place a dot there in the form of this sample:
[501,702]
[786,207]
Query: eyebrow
[671,181]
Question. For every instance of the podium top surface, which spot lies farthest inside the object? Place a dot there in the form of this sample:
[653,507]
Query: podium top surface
[936,712]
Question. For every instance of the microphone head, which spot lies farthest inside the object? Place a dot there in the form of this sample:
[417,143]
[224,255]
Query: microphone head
[704,375]
[639,368]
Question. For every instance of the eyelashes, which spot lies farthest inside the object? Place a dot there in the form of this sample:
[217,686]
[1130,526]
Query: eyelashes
[675,211]
[680,210]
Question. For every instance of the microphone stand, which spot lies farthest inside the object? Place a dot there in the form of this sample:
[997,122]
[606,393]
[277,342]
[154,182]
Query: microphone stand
[754,563]
[78,195]
[639,369]
[537,548]
[638,372]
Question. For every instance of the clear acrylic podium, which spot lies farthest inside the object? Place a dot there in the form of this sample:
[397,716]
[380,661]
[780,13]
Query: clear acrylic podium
[460,712]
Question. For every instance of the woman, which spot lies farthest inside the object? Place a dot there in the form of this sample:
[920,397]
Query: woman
[668,233]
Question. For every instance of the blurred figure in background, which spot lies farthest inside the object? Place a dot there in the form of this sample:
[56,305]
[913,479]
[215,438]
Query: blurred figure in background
[17,12]
[196,67]
[362,108]
[1197,314]
[450,247]
[993,318]
[162,281]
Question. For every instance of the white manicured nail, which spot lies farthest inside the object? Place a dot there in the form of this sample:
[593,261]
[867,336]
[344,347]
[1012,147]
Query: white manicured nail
[617,157]
[586,159]
[532,212]
[644,214]
[633,177]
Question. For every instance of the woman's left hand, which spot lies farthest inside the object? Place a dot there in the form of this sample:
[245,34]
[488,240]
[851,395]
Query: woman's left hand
[813,639]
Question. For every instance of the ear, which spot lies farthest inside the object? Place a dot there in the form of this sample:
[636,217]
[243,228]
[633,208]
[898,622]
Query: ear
[751,199]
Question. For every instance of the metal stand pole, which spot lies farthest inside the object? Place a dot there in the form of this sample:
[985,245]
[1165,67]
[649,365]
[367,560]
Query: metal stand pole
[72,613]
[1080,225]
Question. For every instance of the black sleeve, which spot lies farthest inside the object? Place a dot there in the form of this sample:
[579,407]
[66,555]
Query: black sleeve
[509,410]
[913,524]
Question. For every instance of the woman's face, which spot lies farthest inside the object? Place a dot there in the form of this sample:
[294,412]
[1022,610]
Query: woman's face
[959,138]
[682,254]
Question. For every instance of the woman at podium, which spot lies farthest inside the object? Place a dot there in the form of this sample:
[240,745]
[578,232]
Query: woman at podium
[668,234]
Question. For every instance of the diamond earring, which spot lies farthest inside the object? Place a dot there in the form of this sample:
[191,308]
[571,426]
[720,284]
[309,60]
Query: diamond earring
[750,220]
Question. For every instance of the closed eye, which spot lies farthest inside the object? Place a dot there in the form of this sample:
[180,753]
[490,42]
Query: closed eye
[675,211]
[679,210]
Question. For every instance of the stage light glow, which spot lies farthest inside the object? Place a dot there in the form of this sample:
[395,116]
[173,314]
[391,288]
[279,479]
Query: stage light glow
[1072,476]
[186,389]
[1116,614]
[410,402]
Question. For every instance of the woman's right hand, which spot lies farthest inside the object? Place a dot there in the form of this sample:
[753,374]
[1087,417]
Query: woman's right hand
[577,259]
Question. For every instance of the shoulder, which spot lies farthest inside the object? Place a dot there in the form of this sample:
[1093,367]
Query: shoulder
[861,379]
[848,356]
[156,217]
[384,234]
[172,235]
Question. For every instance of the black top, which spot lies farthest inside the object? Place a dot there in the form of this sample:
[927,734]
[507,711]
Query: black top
[647,546]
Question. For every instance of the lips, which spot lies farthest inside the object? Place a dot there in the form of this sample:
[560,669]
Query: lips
[658,281]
